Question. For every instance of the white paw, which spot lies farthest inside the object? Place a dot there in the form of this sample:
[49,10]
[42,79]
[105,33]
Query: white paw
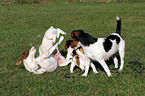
[120,70]
[84,75]
[110,75]
[71,71]
[116,67]
[95,72]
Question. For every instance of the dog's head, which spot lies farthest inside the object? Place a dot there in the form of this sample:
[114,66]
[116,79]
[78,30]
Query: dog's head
[81,37]
[26,54]
[77,36]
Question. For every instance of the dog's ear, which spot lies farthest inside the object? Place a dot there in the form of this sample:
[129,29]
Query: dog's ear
[24,56]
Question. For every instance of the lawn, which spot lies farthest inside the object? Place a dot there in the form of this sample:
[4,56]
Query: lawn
[23,26]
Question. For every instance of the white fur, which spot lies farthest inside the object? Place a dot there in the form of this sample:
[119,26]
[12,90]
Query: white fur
[81,60]
[48,63]
[49,39]
[97,52]
[30,62]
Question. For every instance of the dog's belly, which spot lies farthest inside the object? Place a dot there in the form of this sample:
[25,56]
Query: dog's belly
[49,64]
[110,53]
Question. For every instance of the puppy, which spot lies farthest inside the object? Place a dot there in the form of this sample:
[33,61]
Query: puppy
[77,56]
[100,49]
[49,39]
[41,64]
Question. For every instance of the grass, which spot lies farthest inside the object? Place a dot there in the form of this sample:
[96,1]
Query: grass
[22,26]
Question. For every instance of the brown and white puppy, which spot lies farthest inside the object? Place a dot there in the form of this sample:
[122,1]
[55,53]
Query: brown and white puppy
[41,64]
[77,56]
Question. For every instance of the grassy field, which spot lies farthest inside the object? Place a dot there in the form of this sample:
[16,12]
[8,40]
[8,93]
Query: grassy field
[22,26]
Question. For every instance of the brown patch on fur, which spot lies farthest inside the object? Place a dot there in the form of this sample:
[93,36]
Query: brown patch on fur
[24,56]
[77,57]
[81,50]
[77,61]
[74,43]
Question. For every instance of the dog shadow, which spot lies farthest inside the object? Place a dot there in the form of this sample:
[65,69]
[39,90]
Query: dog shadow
[136,68]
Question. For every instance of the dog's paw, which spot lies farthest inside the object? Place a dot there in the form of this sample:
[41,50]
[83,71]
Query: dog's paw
[84,75]
[95,72]
[71,71]
[120,70]
[109,75]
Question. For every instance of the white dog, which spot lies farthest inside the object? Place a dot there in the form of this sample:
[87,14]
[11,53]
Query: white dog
[100,49]
[48,40]
[48,63]
[77,56]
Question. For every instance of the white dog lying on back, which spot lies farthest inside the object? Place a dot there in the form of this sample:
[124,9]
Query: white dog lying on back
[46,63]
[48,40]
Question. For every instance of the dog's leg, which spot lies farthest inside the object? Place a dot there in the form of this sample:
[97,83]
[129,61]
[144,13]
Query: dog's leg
[55,46]
[121,53]
[87,64]
[72,65]
[116,62]
[104,65]
[94,68]
[39,71]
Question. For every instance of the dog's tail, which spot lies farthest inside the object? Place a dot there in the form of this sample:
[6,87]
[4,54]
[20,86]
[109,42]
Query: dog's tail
[118,27]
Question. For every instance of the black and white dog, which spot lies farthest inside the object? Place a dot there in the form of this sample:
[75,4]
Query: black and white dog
[100,49]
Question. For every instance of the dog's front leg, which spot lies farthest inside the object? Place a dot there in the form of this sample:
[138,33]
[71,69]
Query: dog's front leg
[87,65]
[72,65]
[94,68]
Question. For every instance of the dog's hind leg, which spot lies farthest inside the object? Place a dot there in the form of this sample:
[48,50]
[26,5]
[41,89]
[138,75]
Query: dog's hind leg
[121,53]
[116,62]
[104,65]
[94,68]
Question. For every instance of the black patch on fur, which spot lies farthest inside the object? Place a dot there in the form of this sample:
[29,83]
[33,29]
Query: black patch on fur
[68,43]
[85,38]
[114,37]
[108,44]
[74,52]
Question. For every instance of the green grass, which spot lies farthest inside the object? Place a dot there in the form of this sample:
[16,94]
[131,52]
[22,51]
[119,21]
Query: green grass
[22,26]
